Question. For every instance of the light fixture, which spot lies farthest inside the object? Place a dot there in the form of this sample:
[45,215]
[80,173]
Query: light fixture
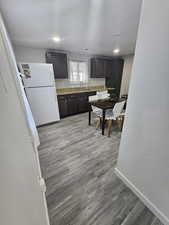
[56,39]
[116,50]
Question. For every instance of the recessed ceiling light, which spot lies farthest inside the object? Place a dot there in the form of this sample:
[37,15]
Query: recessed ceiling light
[56,39]
[116,50]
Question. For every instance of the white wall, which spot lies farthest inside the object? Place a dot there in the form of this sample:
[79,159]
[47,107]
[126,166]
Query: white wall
[125,84]
[26,54]
[21,198]
[144,151]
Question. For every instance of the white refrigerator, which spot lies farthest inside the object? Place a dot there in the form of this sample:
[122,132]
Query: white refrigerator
[40,89]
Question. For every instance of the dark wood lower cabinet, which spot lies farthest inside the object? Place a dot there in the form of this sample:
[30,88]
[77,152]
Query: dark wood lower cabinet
[71,104]
[63,106]
[83,103]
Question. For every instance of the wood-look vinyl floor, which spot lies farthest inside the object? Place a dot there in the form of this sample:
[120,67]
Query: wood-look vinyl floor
[78,163]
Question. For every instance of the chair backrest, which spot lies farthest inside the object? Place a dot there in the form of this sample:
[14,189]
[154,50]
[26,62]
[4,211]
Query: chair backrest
[93,98]
[103,94]
[100,93]
[118,108]
[98,97]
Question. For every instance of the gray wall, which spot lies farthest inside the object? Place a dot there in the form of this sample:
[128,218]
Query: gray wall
[144,152]
[26,54]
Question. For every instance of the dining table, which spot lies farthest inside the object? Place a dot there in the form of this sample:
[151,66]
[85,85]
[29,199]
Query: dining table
[104,105]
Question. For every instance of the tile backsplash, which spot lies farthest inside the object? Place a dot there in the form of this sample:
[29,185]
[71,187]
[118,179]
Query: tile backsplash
[65,83]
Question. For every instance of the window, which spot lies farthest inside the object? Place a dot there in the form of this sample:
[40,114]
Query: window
[78,72]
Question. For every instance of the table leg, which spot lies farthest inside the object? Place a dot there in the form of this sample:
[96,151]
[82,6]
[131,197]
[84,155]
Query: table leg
[103,122]
[89,116]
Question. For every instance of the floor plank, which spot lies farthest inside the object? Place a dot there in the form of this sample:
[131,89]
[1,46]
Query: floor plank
[78,163]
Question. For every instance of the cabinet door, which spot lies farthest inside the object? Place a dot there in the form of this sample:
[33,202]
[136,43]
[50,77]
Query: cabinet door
[63,106]
[83,103]
[97,68]
[117,74]
[108,68]
[72,104]
[100,67]
[93,68]
[59,61]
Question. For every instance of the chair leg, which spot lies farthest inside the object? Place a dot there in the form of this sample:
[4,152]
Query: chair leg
[118,123]
[109,127]
[101,122]
[98,123]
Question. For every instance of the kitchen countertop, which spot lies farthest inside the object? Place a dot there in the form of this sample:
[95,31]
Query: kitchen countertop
[66,91]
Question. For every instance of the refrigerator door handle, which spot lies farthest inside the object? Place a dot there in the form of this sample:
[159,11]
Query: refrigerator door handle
[26,76]
[22,75]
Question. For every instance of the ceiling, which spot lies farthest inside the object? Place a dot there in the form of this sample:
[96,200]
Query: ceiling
[97,25]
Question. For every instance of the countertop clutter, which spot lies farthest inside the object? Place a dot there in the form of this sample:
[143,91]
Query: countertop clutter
[67,91]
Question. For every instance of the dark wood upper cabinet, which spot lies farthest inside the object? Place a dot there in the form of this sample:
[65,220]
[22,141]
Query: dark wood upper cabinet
[59,61]
[97,68]
[117,73]
[108,68]
[101,67]
[114,80]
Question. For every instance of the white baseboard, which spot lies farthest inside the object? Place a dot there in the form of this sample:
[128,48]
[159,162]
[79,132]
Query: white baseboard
[143,198]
